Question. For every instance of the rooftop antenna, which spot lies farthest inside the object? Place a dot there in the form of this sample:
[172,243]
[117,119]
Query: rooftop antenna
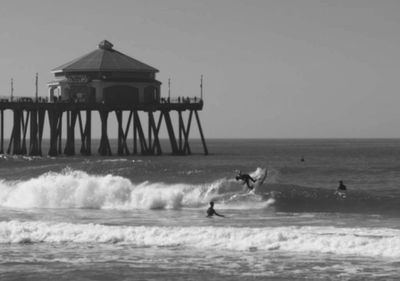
[201,87]
[12,89]
[169,88]
[36,84]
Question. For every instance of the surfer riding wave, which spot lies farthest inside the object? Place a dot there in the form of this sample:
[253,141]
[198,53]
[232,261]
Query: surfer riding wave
[245,178]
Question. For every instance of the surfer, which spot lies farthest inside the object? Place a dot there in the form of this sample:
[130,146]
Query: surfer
[211,211]
[246,178]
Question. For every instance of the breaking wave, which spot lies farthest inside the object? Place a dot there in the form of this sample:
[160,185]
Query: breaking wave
[371,242]
[78,189]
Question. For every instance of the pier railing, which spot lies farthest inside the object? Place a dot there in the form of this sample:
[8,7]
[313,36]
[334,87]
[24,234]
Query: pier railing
[18,99]
[176,103]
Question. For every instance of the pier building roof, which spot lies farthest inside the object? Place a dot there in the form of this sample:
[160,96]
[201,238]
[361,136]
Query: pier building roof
[105,58]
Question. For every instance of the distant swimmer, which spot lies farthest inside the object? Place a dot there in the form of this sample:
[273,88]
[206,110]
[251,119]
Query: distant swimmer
[341,190]
[246,178]
[211,211]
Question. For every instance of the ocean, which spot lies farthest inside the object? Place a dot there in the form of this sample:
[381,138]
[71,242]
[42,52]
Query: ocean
[144,217]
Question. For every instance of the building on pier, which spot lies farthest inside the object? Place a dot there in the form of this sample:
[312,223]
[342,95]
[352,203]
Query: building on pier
[105,75]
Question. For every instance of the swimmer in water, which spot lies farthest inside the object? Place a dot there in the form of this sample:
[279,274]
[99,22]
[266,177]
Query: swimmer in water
[211,211]
[341,190]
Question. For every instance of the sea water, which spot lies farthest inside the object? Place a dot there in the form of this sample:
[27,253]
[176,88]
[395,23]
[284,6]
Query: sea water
[144,218]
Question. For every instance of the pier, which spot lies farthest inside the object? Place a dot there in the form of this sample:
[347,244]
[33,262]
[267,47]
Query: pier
[103,82]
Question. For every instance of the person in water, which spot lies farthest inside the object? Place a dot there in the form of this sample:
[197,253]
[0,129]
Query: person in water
[341,190]
[341,187]
[211,211]
[246,178]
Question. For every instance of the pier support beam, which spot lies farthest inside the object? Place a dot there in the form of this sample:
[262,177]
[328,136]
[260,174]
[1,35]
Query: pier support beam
[55,120]
[184,148]
[71,121]
[15,139]
[36,132]
[137,126]
[1,131]
[24,124]
[154,129]
[171,133]
[41,115]
[85,133]
[104,149]
[201,133]
[123,134]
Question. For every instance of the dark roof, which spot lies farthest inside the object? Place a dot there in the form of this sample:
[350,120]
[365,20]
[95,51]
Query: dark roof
[105,58]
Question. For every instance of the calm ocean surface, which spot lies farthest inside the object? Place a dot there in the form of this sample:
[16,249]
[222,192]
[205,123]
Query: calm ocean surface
[144,218]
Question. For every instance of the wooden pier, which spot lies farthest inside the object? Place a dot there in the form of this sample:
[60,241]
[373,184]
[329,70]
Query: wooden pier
[31,116]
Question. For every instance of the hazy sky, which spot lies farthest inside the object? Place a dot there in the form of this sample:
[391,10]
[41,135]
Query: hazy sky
[272,69]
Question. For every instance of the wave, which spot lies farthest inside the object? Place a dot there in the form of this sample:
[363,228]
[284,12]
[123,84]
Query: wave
[78,189]
[371,242]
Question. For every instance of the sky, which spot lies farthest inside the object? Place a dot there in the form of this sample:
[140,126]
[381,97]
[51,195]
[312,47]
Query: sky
[272,68]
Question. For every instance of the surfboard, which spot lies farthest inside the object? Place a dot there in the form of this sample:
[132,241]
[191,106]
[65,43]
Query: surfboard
[340,194]
[260,180]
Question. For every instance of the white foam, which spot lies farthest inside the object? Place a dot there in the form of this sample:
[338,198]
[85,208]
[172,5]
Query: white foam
[20,157]
[382,242]
[77,189]
[258,173]
[114,160]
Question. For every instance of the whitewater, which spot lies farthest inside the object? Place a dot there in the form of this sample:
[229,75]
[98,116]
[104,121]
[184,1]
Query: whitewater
[140,218]
[342,241]
[77,189]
